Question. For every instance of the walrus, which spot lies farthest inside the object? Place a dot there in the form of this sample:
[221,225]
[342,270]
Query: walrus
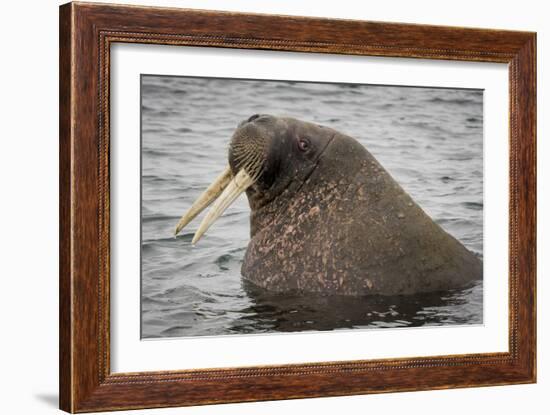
[327,218]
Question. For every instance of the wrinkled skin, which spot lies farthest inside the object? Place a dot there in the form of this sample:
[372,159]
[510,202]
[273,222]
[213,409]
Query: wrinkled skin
[331,220]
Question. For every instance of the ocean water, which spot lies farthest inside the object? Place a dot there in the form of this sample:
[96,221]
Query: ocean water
[429,139]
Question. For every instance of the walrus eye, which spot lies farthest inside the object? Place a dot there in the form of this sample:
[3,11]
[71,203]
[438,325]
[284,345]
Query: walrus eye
[304,144]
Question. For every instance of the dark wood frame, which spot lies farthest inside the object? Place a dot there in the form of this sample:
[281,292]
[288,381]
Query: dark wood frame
[86,33]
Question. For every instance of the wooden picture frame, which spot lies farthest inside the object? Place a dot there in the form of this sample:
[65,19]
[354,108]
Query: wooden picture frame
[86,33]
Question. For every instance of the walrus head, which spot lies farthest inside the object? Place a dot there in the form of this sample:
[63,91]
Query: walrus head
[267,156]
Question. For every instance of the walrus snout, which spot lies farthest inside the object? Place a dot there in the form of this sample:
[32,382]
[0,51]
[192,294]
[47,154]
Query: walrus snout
[249,145]
[248,151]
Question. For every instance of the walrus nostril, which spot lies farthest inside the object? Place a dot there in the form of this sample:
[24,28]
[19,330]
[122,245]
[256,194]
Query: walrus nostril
[254,117]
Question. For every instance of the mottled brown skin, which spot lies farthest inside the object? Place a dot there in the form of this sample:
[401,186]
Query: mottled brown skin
[332,220]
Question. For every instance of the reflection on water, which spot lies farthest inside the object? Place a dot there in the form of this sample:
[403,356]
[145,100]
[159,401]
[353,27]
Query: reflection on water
[430,140]
[288,313]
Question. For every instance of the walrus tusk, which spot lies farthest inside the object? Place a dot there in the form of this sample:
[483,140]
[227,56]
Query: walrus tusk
[238,185]
[205,199]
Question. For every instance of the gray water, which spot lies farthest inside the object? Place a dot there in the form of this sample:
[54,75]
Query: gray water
[429,139]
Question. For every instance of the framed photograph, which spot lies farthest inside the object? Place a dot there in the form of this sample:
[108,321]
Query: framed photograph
[258,207]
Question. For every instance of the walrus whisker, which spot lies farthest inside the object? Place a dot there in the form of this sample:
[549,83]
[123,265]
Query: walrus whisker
[205,199]
[242,156]
[246,164]
[246,159]
[250,160]
[254,164]
[258,172]
[236,186]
